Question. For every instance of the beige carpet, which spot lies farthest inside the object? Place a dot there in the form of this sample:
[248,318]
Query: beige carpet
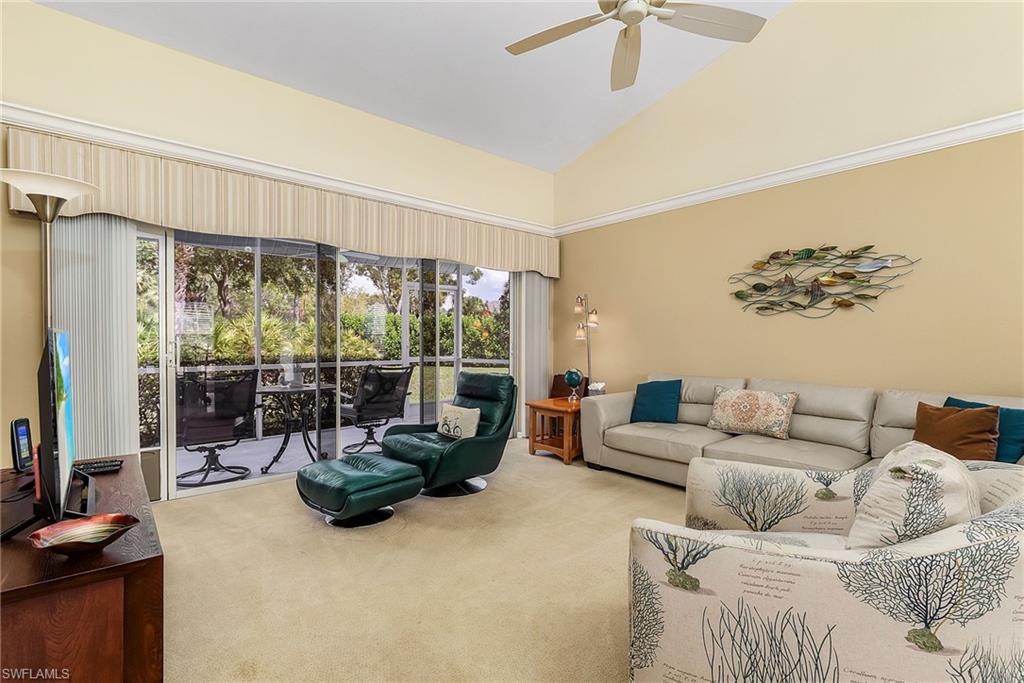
[523,582]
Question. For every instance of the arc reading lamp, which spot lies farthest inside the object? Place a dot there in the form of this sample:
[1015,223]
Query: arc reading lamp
[48,194]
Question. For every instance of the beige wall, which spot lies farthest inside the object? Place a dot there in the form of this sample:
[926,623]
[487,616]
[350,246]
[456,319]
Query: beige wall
[862,74]
[21,319]
[822,79]
[103,76]
[62,64]
[805,90]
[659,283]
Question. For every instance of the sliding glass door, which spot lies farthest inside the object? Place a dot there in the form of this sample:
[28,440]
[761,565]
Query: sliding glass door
[252,352]
[151,331]
[215,316]
[380,324]
[436,317]
[252,323]
[485,344]
[328,311]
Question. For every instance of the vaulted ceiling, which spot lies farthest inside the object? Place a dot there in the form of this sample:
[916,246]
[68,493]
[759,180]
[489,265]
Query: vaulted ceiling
[439,67]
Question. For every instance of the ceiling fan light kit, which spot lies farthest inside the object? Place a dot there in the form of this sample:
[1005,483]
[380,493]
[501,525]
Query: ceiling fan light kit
[706,20]
[632,12]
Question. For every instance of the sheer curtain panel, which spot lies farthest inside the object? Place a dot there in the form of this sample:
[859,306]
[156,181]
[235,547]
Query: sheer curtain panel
[94,300]
[533,339]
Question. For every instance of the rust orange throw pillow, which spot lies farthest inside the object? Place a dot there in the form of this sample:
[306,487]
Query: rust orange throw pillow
[966,433]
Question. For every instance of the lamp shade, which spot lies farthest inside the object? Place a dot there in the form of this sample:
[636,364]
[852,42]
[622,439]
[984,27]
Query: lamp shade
[578,307]
[46,184]
[592,318]
[581,334]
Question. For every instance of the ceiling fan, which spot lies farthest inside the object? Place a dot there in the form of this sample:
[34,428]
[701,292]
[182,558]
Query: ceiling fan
[705,20]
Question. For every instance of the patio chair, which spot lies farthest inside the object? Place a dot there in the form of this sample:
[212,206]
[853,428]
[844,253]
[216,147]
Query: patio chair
[380,398]
[214,414]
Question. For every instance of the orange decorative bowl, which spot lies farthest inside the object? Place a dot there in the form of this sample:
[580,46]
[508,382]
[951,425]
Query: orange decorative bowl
[85,535]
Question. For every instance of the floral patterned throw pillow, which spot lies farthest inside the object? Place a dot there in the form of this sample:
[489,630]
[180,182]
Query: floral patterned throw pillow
[742,411]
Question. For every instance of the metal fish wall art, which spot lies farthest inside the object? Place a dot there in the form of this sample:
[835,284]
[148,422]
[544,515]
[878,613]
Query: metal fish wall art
[815,283]
[872,266]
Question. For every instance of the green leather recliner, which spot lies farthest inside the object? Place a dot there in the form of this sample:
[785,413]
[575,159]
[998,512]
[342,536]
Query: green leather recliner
[452,466]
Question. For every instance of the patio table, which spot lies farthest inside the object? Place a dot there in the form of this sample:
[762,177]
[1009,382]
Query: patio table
[295,402]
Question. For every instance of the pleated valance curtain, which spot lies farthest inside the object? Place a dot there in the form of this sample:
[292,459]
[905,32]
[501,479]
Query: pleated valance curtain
[192,196]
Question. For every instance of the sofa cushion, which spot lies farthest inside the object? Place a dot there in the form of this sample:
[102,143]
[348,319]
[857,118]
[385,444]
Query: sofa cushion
[744,411]
[677,442]
[657,401]
[698,394]
[1010,446]
[896,413]
[998,482]
[329,485]
[491,393]
[765,450]
[840,416]
[423,449]
[916,490]
[964,433]
[793,541]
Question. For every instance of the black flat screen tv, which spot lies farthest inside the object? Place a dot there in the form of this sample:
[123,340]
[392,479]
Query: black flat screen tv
[56,426]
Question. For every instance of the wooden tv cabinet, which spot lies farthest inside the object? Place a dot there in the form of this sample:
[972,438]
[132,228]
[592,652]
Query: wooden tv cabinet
[88,618]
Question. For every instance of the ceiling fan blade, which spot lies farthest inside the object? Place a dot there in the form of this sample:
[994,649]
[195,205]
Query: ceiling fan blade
[714,22]
[608,5]
[555,33]
[626,59]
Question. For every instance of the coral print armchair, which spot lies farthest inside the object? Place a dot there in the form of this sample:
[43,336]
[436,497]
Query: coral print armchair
[793,575]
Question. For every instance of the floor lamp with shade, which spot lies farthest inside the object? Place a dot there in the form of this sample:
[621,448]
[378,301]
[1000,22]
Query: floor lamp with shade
[48,194]
[582,307]
[53,469]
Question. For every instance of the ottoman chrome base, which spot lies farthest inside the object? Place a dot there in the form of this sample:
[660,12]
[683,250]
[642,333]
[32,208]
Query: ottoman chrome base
[366,519]
[466,487]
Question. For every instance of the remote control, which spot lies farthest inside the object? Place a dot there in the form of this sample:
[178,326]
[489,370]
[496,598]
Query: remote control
[99,466]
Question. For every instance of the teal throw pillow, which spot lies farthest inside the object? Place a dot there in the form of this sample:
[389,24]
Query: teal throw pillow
[1010,446]
[657,401]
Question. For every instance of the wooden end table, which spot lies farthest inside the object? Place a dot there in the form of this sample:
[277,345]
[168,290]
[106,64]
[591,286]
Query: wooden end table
[554,427]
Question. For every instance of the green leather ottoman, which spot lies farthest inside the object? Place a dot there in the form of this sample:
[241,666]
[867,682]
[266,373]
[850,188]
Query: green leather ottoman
[357,490]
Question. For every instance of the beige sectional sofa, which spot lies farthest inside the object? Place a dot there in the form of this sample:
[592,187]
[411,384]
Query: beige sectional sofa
[833,428]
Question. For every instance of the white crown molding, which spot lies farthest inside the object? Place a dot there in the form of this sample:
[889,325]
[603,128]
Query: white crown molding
[18,115]
[958,135]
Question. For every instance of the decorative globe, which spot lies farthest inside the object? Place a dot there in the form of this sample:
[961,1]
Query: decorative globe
[573,378]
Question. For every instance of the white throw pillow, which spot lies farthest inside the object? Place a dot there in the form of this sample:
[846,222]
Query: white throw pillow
[458,423]
[916,490]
